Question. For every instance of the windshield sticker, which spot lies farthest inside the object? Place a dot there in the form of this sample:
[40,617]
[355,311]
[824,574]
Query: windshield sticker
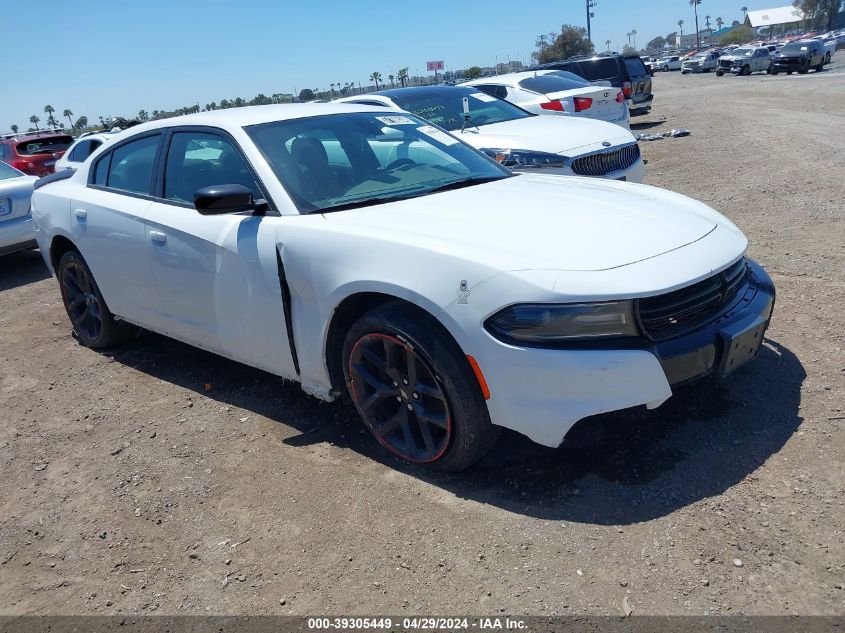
[483,97]
[396,120]
[437,135]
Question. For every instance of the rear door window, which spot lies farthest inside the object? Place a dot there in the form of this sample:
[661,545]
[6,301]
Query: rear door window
[601,68]
[131,166]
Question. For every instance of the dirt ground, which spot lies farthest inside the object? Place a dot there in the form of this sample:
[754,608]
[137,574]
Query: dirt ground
[129,488]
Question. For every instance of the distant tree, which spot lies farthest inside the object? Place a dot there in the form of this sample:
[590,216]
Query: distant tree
[572,40]
[656,44]
[238,102]
[143,116]
[738,35]
[694,4]
[14,129]
[744,13]
[49,110]
[68,114]
[306,94]
[34,120]
[629,50]
[607,44]
[403,76]
[375,78]
[670,39]
[719,23]
[392,77]
[472,72]
[81,123]
[261,99]
[821,12]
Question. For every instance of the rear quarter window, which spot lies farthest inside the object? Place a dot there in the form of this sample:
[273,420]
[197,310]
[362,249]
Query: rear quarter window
[602,68]
[635,66]
[546,84]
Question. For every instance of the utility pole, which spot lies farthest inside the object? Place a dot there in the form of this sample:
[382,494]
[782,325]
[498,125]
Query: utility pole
[590,14]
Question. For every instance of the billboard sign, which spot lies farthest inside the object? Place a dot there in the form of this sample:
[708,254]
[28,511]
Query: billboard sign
[435,66]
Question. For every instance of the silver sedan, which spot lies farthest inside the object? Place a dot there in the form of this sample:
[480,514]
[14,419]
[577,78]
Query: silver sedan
[16,231]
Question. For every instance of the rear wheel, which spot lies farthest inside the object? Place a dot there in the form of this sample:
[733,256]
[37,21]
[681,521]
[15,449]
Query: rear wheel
[719,73]
[414,390]
[93,324]
[820,67]
[805,69]
[827,58]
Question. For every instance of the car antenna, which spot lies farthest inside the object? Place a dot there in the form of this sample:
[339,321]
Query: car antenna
[467,119]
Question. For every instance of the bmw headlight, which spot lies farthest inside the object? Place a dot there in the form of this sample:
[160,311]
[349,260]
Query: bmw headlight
[554,323]
[516,158]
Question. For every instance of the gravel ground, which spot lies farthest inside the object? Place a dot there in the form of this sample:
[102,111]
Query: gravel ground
[162,479]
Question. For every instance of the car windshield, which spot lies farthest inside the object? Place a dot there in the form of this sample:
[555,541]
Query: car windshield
[742,52]
[341,161]
[445,107]
[6,172]
[793,49]
[45,145]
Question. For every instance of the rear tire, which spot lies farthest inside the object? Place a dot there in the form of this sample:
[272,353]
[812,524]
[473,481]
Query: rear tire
[415,390]
[93,324]
[719,73]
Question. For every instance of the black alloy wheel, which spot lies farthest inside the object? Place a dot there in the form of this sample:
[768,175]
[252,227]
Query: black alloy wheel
[83,304]
[399,398]
[93,323]
[415,390]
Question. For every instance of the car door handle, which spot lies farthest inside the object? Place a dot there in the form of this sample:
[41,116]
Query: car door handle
[81,214]
[158,237]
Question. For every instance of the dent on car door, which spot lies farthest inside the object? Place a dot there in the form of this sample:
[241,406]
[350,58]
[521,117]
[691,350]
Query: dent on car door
[218,275]
[107,225]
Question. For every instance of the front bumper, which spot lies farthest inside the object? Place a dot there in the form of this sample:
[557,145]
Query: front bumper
[543,392]
[791,64]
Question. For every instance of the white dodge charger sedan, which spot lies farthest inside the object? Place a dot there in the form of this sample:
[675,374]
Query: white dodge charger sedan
[443,294]
[516,138]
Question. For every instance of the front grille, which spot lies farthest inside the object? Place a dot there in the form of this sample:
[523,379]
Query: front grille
[604,163]
[684,310]
[726,63]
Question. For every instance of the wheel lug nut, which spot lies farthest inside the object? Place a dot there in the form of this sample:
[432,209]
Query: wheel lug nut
[410,407]
[395,384]
[398,398]
[416,396]
[405,381]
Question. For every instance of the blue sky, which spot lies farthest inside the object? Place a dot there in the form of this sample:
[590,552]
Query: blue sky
[113,58]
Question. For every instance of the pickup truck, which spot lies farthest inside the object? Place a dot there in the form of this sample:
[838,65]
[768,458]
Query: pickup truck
[799,57]
[744,61]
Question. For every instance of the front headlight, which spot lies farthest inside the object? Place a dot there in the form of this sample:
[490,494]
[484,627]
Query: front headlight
[554,323]
[516,158]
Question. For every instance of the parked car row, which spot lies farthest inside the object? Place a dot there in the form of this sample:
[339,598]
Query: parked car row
[365,252]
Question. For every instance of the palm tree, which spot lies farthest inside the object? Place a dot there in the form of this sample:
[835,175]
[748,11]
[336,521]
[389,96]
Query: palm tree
[143,117]
[628,35]
[376,77]
[681,27]
[34,120]
[82,123]
[48,110]
[634,33]
[403,76]
[719,23]
[332,85]
[694,4]
[14,129]
[607,43]
[392,77]
[68,114]
[744,13]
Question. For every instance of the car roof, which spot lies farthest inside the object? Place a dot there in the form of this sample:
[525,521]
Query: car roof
[419,90]
[28,136]
[249,115]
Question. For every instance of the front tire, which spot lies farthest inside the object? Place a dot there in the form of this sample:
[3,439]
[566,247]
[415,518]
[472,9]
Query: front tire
[93,324]
[414,389]
[719,73]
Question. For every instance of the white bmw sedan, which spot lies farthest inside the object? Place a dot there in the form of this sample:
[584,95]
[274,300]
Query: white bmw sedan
[444,295]
[519,139]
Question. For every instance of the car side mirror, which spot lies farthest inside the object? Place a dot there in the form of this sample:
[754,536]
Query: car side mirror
[222,199]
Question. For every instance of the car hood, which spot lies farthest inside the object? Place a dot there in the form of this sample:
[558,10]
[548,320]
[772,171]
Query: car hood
[557,134]
[539,222]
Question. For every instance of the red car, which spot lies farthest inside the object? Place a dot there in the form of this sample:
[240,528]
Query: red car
[34,153]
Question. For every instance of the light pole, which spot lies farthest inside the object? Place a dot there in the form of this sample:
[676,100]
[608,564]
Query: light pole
[590,14]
